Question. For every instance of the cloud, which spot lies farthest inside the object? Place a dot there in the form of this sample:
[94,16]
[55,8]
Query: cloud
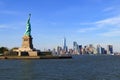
[83,30]
[107,24]
[14,25]
[109,21]
[3,26]
[108,9]
[9,12]
[111,33]
[111,10]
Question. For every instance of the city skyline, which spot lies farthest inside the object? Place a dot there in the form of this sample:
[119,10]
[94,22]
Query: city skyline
[86,22]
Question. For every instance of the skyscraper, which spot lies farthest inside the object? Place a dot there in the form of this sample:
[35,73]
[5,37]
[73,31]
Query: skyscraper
[80,49]
[109,49]
[99,49]
[59,49]
[65,46]
[75,48]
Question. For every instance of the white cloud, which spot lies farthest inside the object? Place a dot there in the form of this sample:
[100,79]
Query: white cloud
[9,12]
[15,25]
[109,21]
[3,26]
[108,24]
[83,30]
[108,9]
[111,33]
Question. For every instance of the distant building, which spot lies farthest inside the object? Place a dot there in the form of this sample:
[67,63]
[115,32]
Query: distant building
[99,49]
[59,50]
[70,51]
[95,51]
[65,46]
[90,49]
[80,49]
[54,52]
[75,48]
[84,50]
[103,51]
[109,49]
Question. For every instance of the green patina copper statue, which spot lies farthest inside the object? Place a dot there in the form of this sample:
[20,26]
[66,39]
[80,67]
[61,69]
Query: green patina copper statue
[28,27]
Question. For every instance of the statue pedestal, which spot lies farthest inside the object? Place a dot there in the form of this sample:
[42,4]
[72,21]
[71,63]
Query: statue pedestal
[27,43]
[27,47]
[30,53]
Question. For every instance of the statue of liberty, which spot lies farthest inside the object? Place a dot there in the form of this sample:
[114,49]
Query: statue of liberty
[28,27]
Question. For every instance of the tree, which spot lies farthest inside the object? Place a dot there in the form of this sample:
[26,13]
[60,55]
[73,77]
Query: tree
[14,49]
[4,50]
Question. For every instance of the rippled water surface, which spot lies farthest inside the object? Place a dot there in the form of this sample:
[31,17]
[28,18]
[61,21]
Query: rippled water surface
[79,68]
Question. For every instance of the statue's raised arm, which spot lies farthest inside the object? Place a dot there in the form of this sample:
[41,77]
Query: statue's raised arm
[29,16]
[28,27]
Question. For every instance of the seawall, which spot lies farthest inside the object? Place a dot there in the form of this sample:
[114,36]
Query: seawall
[35,57]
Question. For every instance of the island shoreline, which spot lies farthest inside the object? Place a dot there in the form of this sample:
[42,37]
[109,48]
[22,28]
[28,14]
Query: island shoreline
[35,57]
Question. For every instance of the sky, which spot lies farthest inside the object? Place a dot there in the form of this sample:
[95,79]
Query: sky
[84,21]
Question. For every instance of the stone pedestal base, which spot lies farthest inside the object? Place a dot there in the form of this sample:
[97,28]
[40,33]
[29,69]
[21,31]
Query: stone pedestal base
[19,53]
[33,53]
[30,53]
[27,47]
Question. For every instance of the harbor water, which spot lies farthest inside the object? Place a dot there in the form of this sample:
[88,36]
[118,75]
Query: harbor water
[83,67]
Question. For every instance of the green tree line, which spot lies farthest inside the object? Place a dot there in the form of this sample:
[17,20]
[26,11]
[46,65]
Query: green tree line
[3,50]
[7,51]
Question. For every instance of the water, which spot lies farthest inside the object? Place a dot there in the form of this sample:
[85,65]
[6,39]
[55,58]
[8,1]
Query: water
[79,68]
